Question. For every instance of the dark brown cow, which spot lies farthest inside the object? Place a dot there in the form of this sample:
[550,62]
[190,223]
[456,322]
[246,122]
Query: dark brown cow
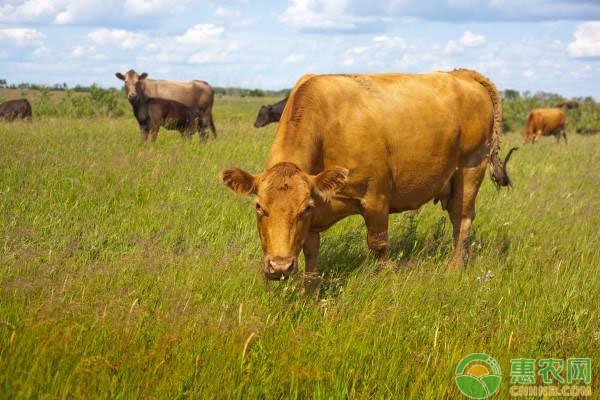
[270,113]
[152,113]
[195,94]
[568,104]
[15,109]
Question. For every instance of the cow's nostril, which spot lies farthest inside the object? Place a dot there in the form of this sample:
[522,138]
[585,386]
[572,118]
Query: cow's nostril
[290,268]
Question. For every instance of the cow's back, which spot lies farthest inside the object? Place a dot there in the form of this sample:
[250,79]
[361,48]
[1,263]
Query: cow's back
[191,93]
[548,120]
[411,130]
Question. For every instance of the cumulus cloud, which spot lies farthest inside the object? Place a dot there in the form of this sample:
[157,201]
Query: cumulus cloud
[587,41]
[468,39]
[222,12]
[307,15]
[380,53]
[89,12]
[200,34]
[358,15]
[117,37]
[21,37]
[294,58]
[26,11]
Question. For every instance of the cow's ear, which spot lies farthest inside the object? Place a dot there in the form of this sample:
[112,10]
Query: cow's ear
[239,181]
[329,182]
[143,75]
[120,76]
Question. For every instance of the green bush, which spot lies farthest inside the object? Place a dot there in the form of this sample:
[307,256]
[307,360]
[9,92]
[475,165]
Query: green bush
[96,102]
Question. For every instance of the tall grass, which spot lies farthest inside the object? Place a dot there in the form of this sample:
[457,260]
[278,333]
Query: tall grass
[129,271]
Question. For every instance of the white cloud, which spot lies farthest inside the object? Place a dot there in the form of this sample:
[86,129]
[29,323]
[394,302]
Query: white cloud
[320,15]
[390,42]
[294,58]
[452,47]
[152,7]
[90,12]
[222,12]
[117,37]
[22,37]
[357,15]
[200,34]
[470,39]
[587,40]
[29,10]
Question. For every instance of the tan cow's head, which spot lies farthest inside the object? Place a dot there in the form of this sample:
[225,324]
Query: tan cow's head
[132,82]
[284,198]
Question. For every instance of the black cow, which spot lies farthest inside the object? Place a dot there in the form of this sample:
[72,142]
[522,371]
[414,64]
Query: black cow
[15,109]
[269,113]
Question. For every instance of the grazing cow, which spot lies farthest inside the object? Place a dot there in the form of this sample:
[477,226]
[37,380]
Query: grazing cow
[545,122]
[269,113]
[568,104]
[152,113]
[195,94]
[15,109]
[373,145]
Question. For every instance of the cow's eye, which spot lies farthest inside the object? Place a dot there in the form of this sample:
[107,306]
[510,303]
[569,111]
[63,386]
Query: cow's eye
[259,210]
[307,209]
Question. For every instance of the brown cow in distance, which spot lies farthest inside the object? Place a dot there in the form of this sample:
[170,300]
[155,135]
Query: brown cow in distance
[194,94]
[372,145]
[545,122]
[15,109]
[152,113]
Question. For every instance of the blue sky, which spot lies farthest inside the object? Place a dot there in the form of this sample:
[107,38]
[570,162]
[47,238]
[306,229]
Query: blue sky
[551,45]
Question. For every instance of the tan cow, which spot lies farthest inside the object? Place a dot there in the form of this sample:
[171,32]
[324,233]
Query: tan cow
[372,145]
[196,94]
[545,122]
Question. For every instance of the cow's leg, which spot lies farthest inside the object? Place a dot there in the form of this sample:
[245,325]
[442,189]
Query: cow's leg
[203,127]
[311,253]
[153,134]
[564,135]
[211,123]
[375,211]
[144,134]
[538,136]
[465,185]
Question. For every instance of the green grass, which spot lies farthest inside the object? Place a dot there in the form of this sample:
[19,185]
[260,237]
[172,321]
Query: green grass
[130,271]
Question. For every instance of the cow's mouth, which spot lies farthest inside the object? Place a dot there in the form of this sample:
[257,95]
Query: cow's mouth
[281,275]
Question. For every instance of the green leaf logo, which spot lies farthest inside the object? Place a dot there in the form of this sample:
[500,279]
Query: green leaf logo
[478,376]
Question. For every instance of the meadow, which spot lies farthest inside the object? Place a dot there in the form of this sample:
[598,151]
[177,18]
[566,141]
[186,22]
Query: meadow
[129,271]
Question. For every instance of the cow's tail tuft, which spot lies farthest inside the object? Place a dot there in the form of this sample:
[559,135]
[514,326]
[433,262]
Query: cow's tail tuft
[498,171]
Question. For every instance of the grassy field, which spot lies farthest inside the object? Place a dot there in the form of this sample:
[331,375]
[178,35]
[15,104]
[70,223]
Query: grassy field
[129,271]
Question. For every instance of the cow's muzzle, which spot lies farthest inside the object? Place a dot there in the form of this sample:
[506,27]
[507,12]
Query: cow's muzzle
[279,268]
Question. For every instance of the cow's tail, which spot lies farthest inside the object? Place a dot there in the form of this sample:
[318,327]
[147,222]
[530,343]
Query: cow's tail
[528,126]
[498,171]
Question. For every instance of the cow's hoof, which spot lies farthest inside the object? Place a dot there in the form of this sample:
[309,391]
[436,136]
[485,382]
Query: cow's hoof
[385,266]
[311,282]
